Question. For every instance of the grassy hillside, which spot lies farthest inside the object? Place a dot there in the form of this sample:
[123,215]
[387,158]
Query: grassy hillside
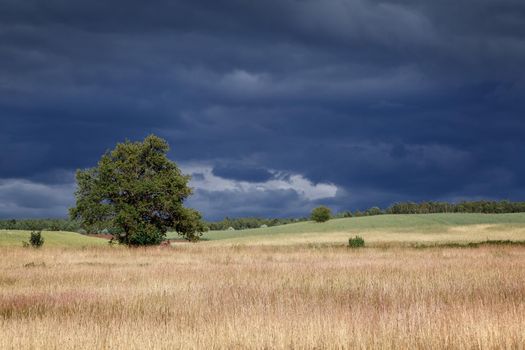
[52,238]
[386,228]
[376,230]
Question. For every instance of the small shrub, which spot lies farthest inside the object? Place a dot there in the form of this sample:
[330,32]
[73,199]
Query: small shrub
[321,214]
[356,242]
[36,240]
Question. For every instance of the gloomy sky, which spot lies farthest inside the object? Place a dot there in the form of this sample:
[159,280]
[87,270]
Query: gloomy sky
[273,106]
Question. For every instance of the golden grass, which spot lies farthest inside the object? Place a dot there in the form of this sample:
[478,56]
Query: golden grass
[199,296]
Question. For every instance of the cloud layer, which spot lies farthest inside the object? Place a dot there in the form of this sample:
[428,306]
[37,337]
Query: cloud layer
[383,100]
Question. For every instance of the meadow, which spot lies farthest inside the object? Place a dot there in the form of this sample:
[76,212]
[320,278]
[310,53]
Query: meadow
[247,293]
[206,297]
[14,238]
[384,230]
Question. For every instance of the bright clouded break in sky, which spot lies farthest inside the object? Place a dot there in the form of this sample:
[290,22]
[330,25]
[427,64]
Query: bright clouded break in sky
[273,106]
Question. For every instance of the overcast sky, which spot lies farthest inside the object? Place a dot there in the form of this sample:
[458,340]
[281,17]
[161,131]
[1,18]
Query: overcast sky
[273,106]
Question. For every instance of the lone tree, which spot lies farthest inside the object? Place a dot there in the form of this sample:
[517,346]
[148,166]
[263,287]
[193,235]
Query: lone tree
[321,214]
[138,192]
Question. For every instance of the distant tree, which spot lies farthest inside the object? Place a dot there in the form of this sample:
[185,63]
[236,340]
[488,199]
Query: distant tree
[374,211]
[358,213]
[321,214]
[139,192]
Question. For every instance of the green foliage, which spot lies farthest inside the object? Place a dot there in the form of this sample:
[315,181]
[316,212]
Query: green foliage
[35,239]
[40,224]
[138,192]
[321,214]
[356,242]
[248,223]
[374,211]
[190,224]
[485,207]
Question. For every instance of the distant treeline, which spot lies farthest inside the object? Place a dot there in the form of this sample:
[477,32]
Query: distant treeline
[40,224]
[486,207]
[246,223]
[69,225]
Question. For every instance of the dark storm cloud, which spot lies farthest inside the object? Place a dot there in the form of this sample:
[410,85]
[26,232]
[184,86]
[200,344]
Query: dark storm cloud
[250,204]
[387,100]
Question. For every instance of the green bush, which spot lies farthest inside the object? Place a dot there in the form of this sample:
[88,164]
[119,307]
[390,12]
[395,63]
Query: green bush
[356,242]
[36,240]
[321,214]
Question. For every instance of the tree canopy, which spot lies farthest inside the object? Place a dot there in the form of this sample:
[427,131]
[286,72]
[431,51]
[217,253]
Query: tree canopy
[321,214]
[137,192]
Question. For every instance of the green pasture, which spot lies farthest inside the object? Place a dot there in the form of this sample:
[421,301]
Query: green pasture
[51,239]
[451,227]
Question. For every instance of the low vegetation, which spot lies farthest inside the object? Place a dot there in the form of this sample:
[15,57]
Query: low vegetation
[206,297]
[281,287]
[356,242]
[35,239]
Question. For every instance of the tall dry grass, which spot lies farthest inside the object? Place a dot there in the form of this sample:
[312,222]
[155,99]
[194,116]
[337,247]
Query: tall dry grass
[201,297]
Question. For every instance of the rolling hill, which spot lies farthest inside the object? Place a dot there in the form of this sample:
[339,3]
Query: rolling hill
[377,230]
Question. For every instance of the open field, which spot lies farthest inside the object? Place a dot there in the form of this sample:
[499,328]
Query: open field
[385,229]
[376,230]
[273,288]
[207,297]
[51,238]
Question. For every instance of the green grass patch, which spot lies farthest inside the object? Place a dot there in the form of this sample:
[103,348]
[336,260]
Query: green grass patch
[420,223]
[490,242]
[51,239]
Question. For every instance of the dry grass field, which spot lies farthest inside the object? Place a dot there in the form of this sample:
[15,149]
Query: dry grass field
[199,296]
